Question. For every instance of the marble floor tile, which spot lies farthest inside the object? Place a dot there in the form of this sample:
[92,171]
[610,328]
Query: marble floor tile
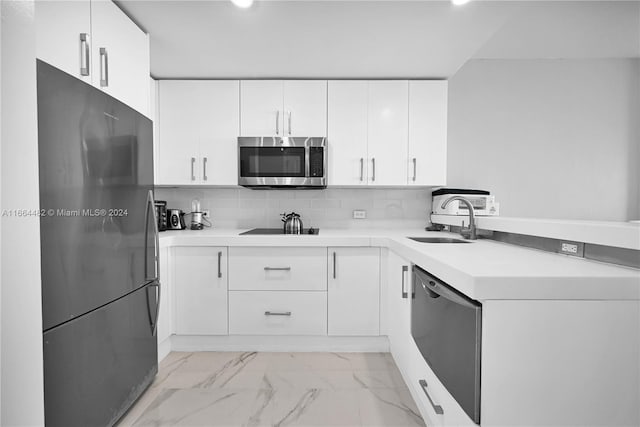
[388,407]
[275,389]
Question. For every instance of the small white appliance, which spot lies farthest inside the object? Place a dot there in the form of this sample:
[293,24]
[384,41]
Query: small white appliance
[484,204]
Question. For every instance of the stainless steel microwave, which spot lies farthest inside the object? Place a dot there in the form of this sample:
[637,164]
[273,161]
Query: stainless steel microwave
[282,162]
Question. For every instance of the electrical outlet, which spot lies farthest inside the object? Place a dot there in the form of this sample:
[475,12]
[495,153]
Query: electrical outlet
[572,248]
[205,213]
[359,214]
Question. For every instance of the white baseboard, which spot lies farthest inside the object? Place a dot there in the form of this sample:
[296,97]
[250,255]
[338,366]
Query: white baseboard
[278,343]
[164,348]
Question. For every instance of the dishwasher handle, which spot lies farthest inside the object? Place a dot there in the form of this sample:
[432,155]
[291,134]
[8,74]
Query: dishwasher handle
[435,289]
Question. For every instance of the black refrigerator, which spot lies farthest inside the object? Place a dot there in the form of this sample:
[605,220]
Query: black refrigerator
[99,252]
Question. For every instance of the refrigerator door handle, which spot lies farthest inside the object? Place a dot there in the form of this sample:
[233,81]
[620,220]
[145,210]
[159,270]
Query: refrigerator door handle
[156,240]
[154,322]
[156,257]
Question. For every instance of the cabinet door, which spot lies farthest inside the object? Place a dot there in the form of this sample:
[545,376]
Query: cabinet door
[347,132]
[60,26]
[219,125]
[399,309]
[305,107]
[200,290]
[388,129]
[427,133]
[121,68]
[354,291]
[177,148]
[261,108]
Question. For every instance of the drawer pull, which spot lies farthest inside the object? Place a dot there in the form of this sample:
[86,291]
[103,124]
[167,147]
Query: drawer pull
[219,264]
[277,269]
[277,313]
[436,408]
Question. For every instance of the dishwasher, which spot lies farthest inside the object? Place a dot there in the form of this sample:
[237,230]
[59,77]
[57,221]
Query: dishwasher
[447,328]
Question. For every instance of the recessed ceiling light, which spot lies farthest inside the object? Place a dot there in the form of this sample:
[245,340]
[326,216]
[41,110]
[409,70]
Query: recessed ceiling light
[460,2]
[242,3]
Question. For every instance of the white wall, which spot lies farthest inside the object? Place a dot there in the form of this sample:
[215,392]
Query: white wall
[21,314]
[549,138]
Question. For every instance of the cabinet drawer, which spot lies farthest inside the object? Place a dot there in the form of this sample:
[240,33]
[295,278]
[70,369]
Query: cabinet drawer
[425,385]
[277,313]
[278,269]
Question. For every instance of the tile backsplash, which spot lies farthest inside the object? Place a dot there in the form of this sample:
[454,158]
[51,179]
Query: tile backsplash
[329,208]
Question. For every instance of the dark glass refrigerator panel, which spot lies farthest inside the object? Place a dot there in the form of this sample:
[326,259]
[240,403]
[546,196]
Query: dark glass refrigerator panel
[96,171]
[96,366]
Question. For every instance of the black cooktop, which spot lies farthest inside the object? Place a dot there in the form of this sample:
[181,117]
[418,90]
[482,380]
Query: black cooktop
[312,231]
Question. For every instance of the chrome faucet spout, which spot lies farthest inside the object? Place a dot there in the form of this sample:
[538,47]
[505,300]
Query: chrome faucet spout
[467,233]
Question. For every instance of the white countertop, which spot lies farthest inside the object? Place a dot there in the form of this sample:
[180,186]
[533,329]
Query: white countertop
[483,269]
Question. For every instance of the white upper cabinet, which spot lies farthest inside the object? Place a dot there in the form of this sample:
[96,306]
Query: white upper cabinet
[283,108]
[427,132]
[198,130]
[347,132]
[388,129]
[96,42]
[178,143]
[368,132]
[120,56]
[261,107]
[305,108]
[63,36]
[353,291]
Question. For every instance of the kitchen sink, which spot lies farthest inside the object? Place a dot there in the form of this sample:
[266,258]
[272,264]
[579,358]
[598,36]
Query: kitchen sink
[438,240]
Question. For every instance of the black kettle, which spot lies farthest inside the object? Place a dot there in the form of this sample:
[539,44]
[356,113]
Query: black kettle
[292,223]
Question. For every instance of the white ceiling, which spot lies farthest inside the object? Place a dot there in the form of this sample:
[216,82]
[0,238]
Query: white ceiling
[374,39]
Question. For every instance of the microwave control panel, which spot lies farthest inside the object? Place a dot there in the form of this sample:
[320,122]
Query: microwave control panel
[316,162]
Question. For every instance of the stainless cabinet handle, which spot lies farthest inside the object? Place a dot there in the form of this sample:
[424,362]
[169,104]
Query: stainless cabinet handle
[204,168]
[278,122]
[219,264]
[193,164]
[334,265]
[405,268]
[277,313]
[435,407]
[289,122]
[361,169]
[104,67]
[373,169]
[414,168]
[277,269]
[84,55]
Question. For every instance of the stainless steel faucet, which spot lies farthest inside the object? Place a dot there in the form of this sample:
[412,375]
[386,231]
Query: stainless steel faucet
[467,233]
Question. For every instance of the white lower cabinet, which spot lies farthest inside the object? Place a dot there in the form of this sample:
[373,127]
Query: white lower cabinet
[399,310]
[277,313]
[353,291]
[200,289]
